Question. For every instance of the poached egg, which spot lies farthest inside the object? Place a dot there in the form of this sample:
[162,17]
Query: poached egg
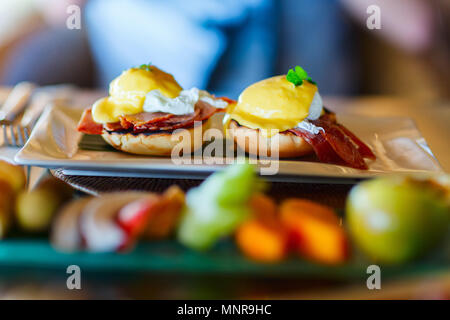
[148,89]
[127,93]
[275,104]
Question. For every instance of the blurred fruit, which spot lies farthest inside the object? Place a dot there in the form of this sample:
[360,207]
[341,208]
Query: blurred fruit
[262,242]
[218,206]
[6,207]
[36,208]
[134,216]
[315,231]
[262,237]
[394,220]
[61,188]
[154,216]
[12,174]
[65,234]
[98,222]
[298,207]
[166,214]
[264,208]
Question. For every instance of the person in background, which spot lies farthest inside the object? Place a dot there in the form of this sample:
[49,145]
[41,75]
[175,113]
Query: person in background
[410,54]
[52,53]
[225,45]
[220,45]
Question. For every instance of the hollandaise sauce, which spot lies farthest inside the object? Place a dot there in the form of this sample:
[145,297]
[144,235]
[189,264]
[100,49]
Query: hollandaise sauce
[275,103]
[128,91]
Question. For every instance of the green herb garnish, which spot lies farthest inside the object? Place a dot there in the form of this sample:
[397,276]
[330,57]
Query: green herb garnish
[298,75]
[147,67]
[311,81]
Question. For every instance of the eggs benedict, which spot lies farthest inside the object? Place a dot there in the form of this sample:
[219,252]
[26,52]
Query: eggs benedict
[144,107]
[286,112]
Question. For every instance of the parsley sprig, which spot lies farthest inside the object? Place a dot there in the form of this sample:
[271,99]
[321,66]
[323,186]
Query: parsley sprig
[297,76]
[147,67]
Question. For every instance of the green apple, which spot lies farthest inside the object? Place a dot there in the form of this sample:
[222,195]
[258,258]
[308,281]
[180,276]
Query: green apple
[394,220]
[215,208]
[35,209]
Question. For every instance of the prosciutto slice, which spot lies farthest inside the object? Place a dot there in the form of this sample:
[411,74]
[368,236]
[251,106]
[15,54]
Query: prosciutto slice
[88,125]
[115,126]
[143,118]
[363,149]
[336,144]
[206,111]
[148,121]
[320,146]
[202,112]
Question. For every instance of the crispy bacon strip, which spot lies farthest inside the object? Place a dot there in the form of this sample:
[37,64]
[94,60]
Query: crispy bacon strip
[207,110]
[336,144]
[202,112]
[185,118]
[321,147]
[341,144]
[88,125]
[172,123]
[114,126]
[363,149]
[148,121]
[143,118]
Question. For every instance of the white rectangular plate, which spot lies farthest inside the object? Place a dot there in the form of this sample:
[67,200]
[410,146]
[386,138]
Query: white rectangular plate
[397,143]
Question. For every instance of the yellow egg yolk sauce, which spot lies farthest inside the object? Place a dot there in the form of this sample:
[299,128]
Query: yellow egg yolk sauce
[127,93]
[273,104]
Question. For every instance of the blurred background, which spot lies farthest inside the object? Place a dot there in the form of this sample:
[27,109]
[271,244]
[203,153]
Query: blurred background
[225,45]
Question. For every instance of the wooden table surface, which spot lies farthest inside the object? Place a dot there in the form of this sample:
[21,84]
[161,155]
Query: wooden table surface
[432,119]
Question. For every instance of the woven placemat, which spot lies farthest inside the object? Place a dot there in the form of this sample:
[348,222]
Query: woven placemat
[330,194]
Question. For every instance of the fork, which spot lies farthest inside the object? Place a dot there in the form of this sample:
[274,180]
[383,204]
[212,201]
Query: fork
[15,103]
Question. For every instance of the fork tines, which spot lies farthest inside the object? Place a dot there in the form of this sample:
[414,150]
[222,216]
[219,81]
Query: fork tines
[15,135]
